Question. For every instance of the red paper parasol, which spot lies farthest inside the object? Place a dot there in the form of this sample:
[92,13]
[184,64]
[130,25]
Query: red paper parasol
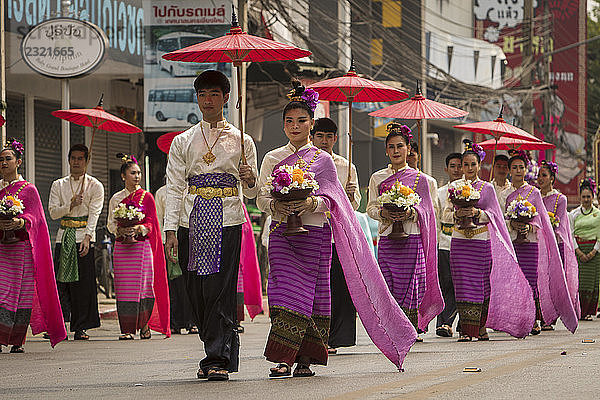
[419,107]
[505,143]
[2,120]
[236,47]
[352,88]
[164,141]
[97,118]
[498,128]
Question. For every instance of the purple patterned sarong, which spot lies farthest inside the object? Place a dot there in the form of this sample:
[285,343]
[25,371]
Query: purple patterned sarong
[206,224]
[527,255]
[470,264]
[402,264]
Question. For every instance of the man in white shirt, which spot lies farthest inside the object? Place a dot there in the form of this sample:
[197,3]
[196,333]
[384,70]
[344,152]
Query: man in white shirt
[205,182]
[414,160]
[446,318]
[77,200]
[343,314]
[501,182]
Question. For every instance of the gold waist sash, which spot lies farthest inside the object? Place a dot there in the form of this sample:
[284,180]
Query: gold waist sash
[470,233]
[212,192]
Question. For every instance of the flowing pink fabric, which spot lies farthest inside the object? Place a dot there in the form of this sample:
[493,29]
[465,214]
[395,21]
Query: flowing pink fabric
[46,315]
[250,269]
[160,318]
[512,308]
[555,300]
[383,319]
[563,231]
[433,302]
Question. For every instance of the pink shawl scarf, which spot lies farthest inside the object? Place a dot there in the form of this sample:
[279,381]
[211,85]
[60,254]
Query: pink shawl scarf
[160,318]
[250,269]
[512,308]
[433,302]
[559,202]
[555,300]
[383,319]
[46,315]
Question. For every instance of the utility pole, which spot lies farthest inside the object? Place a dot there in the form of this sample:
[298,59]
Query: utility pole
[243,21]
[527,66]
[344,56]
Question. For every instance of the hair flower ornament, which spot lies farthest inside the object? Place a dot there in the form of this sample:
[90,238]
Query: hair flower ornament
[304,95]
[394,127]
[552,166]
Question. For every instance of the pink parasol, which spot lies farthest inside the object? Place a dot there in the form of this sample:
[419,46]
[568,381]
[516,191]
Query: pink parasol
[164,141]
[505,143]
[419,107]
[352,88]
[96,118]
[236,47]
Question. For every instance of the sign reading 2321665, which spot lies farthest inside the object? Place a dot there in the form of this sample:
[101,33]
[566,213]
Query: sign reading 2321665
[64,47]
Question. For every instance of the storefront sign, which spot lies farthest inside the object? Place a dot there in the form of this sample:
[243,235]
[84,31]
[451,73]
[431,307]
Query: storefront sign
[64,47]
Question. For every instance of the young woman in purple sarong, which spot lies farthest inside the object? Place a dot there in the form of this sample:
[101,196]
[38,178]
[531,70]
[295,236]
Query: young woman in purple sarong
[538,256]
[556,205]
[28,293]
[484,265]
[298,289]
[140,270]
[409,265]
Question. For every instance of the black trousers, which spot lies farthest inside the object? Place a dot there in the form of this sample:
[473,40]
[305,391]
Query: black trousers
[448,315]
[342,331]
[213,300]
[79,300]
[181,309]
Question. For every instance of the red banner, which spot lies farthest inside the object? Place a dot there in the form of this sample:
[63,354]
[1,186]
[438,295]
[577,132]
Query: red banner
[562,24]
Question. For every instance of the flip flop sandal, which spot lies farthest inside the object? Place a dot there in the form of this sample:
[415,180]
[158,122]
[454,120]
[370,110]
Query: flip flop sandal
[303,371]
[193,331]
[547,328]
[331,351]
[277,373]
[217,374]
[126,336]
[201,374]
[17,349]
[144,335]
[464,338]
[483,338]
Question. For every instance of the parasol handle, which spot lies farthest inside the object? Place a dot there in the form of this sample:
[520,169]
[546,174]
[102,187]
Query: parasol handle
[349,141]
[89,159]
[494,160]
[241,112]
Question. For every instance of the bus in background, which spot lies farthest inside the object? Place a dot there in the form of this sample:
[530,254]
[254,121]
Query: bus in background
[175,41]
[178,103]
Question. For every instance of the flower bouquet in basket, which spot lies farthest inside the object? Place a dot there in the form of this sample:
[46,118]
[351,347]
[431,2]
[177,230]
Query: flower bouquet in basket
[463,195]
[10,207]
[289,183]
[521,210]
[398,198]
[128,216]
[554,220]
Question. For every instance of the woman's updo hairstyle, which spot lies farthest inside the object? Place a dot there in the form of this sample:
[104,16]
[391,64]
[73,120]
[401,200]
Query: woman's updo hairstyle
[519,155]
[551,167]
[589,184]
[301,98]
[474,149]
[16,147]
[398,130]
[126,162]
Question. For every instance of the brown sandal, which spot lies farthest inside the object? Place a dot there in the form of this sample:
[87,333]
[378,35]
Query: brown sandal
[217,374]
[303,371]
[280,371]
[145,333]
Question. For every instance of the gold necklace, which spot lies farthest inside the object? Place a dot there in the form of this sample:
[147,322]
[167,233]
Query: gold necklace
[209,157]
[80,185]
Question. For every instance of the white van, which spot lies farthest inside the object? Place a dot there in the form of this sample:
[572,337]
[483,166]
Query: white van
[175,103]
[175,41]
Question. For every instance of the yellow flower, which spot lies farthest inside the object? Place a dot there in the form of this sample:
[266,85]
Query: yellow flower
[550,214]
[466,191]
[532,208]
[298,176]
[404,191]
[528,204]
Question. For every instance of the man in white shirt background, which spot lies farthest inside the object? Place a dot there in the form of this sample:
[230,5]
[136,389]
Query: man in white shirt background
[343,313]
[413,160]
[205,182]
[77,200]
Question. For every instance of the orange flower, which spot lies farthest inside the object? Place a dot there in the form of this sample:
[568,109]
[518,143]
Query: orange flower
[466,191]
[404,191]
[298,176]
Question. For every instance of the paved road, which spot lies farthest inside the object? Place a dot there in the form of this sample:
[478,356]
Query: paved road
[159,368]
